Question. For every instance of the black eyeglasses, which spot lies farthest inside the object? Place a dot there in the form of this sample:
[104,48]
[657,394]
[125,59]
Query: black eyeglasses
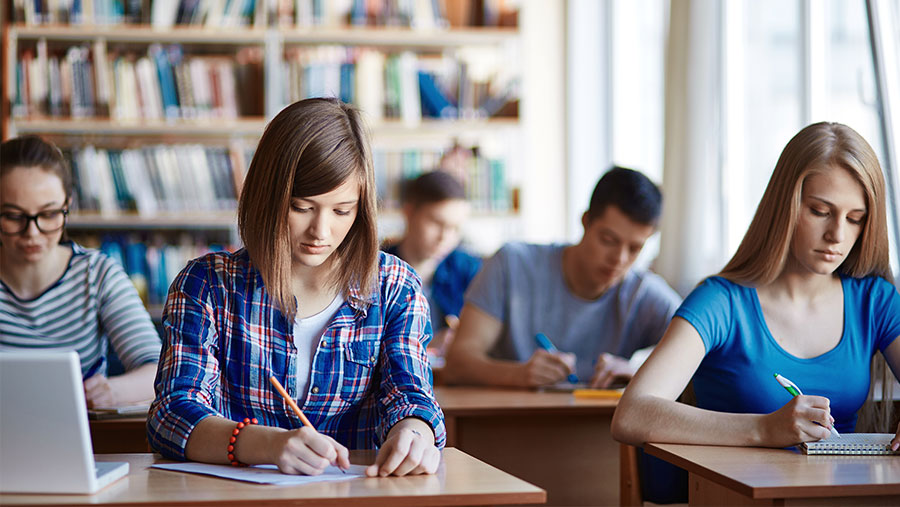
[50,220]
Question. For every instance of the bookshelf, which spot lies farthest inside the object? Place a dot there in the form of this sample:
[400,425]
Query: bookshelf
[115,56]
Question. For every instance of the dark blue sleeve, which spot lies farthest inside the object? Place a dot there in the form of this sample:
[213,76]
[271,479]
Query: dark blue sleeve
[709,309]
[451,279]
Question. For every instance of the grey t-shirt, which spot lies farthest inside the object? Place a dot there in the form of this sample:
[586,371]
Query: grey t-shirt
[522,285]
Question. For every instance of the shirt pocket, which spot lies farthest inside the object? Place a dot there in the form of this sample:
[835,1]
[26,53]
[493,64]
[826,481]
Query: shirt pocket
[360,360]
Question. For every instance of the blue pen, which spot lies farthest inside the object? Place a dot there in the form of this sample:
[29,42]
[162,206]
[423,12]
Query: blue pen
[545,343]
[94,368]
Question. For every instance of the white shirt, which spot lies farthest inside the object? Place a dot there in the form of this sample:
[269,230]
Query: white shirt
[307,333]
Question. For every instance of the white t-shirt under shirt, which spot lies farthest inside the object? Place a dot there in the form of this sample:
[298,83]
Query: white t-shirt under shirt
[307,333]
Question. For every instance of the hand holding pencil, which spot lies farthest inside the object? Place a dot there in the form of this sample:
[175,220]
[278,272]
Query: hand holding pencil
[305,450]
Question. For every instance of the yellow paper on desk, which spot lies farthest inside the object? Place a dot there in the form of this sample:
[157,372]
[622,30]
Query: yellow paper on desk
[598,393]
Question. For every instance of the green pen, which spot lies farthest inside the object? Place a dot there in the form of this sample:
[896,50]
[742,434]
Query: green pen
[795,391]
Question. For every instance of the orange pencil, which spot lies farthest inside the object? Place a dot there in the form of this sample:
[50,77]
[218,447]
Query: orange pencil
[290,401]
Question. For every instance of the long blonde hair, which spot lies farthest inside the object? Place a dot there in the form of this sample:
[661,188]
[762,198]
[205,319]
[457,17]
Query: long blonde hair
[310,148]
[763,252]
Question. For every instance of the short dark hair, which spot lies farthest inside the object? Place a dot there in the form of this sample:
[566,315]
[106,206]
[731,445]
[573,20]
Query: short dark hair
[630,191]
[432,187]
[35,151]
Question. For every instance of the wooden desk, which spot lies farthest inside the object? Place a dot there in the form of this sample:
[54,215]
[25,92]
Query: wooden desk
[461,480]
[553,440]
[758,476]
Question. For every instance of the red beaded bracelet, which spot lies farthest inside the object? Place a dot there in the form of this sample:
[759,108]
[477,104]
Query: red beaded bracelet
[231,441]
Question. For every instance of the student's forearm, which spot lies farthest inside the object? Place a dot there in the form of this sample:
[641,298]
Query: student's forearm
[135,385]
[208,442]
[481,370]
[651,419]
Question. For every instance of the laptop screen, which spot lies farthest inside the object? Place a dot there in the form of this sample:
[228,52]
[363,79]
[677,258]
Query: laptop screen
[44,434]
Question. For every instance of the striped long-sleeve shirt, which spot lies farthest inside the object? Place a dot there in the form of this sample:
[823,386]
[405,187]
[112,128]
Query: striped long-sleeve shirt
[225,337]
[93,305]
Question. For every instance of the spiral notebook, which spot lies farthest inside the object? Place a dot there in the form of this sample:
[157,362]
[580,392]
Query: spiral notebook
[852,443]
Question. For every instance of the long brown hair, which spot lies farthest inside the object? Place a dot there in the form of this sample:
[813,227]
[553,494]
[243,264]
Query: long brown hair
[763,252]
[310,148]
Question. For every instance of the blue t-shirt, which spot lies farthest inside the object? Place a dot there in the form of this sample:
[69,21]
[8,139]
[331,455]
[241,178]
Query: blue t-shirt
[523,287]
[742,356]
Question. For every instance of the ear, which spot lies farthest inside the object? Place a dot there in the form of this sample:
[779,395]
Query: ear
[585,220]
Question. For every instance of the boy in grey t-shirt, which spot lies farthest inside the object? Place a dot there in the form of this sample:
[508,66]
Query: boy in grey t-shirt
[595,309]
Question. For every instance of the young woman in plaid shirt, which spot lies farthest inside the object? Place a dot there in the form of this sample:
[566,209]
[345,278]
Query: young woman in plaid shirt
[310,300]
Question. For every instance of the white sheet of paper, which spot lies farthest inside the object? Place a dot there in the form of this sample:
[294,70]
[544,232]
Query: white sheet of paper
[264,474]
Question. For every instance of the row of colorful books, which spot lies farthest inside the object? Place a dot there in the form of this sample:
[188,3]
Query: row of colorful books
[83,82]
[401,85]
[197,178]
[150,179]
[86,82]
[484,179]
[421,14]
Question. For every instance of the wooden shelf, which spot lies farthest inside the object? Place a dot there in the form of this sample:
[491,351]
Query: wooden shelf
[345,36]
[249,127]
[187,220]
[222,220]
[95,126]
[138,33]
[400,37]
[445,128]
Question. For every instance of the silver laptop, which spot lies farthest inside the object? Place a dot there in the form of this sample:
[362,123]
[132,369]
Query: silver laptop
[45,441]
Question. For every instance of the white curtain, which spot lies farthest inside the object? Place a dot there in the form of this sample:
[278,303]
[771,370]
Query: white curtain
[692,242]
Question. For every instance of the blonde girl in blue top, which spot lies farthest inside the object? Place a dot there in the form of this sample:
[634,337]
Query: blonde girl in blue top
[807,295]
[311,301]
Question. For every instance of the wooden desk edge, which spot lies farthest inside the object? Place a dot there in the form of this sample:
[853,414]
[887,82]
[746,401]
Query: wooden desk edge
[526,411]
[772,492]
[141,463]
[700,470]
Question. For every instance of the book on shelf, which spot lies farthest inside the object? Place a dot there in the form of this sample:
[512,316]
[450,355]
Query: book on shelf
[152,260]
[86,82]
[402,85]
[164,83]
[484,179]
[162,14]
[146,180]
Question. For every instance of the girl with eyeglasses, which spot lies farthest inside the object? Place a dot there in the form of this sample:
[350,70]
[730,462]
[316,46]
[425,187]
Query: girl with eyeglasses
[55,294]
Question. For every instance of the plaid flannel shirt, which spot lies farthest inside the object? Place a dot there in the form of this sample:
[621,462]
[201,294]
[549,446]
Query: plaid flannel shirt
[224,337]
